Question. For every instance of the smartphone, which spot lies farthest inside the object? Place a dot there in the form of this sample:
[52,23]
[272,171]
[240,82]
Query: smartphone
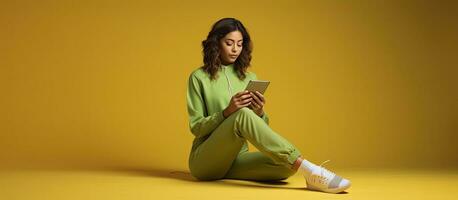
[257,85]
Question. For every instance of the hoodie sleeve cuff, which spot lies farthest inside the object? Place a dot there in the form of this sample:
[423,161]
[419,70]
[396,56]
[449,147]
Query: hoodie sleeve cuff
[265,118]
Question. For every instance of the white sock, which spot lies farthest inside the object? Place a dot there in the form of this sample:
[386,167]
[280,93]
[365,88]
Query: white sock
[307,167]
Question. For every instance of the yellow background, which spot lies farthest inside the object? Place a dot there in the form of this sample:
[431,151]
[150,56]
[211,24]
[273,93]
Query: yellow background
[365,84]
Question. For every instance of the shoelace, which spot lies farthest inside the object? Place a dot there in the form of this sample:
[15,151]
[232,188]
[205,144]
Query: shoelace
[325,171]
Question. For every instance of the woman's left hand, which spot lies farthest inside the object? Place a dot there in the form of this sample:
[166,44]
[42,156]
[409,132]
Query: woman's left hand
[257,104]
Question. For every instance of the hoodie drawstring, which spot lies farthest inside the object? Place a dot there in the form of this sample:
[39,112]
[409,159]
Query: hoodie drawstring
[228,81]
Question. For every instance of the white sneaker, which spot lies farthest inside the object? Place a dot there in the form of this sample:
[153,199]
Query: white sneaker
[324,180]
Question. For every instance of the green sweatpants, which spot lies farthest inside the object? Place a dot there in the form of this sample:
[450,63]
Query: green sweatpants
[224,154]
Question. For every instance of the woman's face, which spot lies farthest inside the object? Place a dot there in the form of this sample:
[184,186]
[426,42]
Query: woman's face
[231,47]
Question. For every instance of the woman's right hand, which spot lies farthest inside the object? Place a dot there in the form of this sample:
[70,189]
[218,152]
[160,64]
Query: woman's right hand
[239,100]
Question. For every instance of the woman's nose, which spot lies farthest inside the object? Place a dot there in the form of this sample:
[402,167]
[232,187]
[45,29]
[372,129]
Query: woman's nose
[234,48]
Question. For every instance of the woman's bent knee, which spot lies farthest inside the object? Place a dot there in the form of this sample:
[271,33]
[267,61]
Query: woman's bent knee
[244,111]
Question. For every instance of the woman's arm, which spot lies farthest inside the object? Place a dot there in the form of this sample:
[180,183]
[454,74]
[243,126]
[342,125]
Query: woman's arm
[199,124]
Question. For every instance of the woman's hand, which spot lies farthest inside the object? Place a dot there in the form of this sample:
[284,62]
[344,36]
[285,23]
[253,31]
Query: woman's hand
[239,100]
[258,102]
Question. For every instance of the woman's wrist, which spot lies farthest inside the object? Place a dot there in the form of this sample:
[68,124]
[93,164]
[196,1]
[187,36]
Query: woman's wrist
[225,115]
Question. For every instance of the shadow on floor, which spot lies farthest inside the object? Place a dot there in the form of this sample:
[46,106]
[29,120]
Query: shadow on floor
[186,176]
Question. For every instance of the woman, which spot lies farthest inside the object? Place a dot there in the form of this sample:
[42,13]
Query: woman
[222,117]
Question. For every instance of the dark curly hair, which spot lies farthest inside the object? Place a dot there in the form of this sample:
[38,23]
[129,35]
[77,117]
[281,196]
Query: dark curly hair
[211,48]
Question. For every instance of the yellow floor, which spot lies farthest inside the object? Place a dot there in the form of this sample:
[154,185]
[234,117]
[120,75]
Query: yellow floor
[161,184]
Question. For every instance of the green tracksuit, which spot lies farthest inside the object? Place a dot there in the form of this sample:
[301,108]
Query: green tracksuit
[220,148]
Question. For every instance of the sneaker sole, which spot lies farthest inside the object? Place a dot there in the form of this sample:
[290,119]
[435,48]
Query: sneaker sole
[334,191]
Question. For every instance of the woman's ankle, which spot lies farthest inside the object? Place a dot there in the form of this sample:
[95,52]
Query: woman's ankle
[297,163]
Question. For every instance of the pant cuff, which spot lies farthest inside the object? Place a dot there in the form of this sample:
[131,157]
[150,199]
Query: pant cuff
[293,157]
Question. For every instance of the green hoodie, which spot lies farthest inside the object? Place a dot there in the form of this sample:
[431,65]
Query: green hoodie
[207,99]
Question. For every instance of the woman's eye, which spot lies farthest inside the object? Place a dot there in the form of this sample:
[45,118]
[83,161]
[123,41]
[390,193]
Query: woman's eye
[228,44]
